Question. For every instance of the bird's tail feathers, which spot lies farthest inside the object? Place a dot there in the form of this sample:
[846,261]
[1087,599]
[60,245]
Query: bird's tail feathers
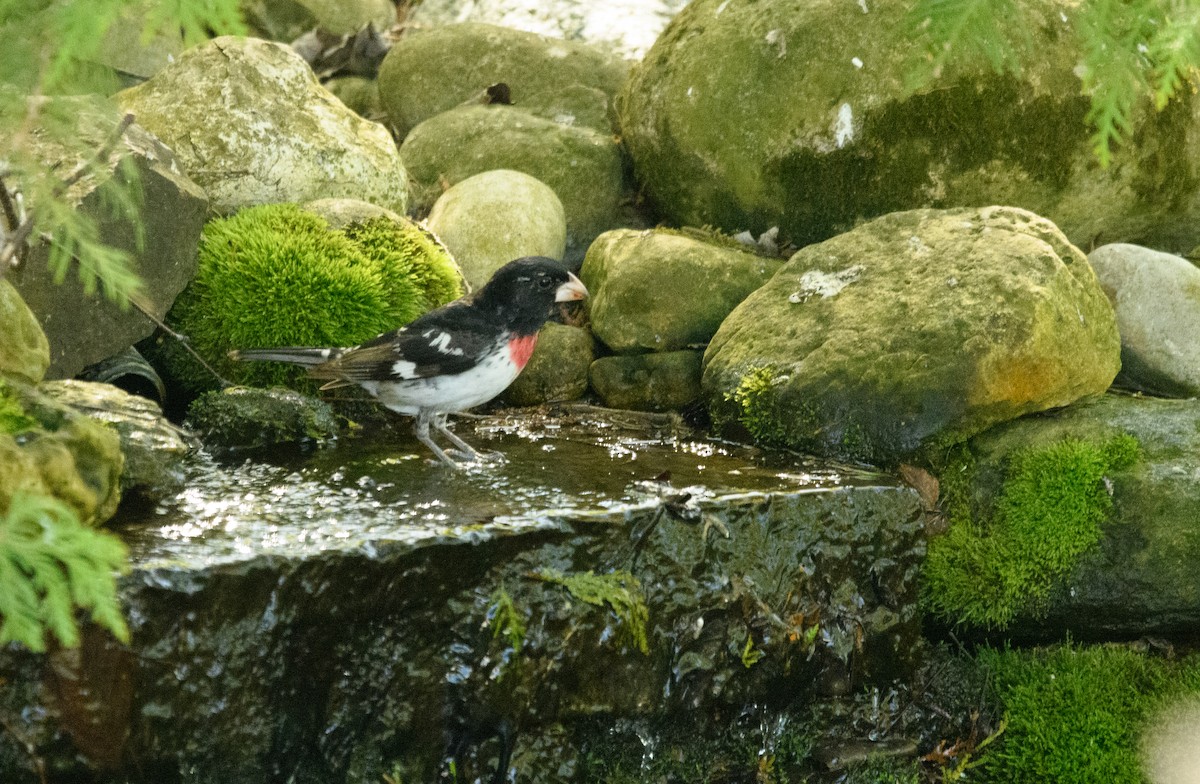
[295,355]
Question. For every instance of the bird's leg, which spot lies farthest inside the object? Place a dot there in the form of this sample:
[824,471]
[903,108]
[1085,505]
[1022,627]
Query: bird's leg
[421,428]
[439,422]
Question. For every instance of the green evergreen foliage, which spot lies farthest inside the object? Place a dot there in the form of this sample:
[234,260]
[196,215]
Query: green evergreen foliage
[1133,50]
[620,590]
[276,275]
[50,564]
[50,49]
[1075,714]
[989,567]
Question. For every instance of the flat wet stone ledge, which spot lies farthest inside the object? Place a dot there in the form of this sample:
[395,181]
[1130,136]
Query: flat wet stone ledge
[354,611]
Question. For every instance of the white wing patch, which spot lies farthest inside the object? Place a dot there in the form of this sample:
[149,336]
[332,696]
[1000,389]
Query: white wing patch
[442,342]
[404,369]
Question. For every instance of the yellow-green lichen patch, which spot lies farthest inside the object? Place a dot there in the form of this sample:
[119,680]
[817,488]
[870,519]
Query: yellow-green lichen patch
[995,563]
[13,419]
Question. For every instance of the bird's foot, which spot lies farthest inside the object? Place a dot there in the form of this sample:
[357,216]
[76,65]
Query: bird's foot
[475,456]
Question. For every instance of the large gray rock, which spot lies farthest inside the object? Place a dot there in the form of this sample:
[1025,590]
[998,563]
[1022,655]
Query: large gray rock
[334,621]
[161,237]
[659,290]
[812,122]
[252,125]
[582,165]
[24,352]
[429,72]
[917,328]
[492,218]
[1139,578]
[1157,300]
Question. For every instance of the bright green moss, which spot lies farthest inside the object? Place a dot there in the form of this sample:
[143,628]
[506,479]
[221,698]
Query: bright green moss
[1075,715]
[753,400]
[276,275]
[1048,513]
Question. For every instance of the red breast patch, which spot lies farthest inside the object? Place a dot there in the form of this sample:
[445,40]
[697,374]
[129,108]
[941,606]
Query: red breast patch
[521,348]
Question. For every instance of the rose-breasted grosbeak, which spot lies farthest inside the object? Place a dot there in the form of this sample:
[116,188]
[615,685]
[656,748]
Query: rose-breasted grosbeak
[452,358]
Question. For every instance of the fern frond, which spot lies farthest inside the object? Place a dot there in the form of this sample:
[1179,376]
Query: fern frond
[1113,35]
[993,30]
[1175,49]
[51,564]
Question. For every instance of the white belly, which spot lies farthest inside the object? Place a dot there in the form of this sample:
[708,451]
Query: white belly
[447,394]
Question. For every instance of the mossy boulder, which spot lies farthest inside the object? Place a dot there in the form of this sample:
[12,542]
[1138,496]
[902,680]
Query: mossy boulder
[918,328]
[160,234]
[252,125]
[1138,519]
[429,72]
[661,290]
[360,94]
[818,117]
[287,20]
[492,218]
[49,448]
[1156,297]
[278,275]
[153,448]
[558,369]
[340,213]
[651,382]
[245,418]
[24,351]
[582,165]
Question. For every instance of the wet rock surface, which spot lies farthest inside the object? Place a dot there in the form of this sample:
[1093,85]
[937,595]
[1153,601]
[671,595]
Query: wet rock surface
[338,615]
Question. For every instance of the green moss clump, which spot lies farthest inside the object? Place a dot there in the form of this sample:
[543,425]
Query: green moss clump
[1049,511]
[13,419]
[620,590]
[1075,715]
[754,404]
[275,275]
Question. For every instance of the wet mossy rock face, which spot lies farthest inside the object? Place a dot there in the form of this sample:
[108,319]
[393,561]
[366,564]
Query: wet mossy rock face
[583,166]
[49,448]
[811,123]
[277,275]
[252,125]
[429,72]
[660,290]
[494,217]
[1138,576]
[24,351]
[246,418]
[919,327]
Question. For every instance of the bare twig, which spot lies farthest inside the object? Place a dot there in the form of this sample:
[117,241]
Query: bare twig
[183,339]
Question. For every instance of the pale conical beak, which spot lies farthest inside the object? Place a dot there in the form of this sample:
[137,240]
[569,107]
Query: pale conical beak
[570,291]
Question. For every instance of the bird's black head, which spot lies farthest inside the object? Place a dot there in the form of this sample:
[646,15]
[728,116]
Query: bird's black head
[522,293]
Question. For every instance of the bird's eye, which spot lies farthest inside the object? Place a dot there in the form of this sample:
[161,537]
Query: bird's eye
[545,283]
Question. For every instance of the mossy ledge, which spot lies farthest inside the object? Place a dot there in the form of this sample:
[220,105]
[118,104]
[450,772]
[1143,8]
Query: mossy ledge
[620,590]
[995,563]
